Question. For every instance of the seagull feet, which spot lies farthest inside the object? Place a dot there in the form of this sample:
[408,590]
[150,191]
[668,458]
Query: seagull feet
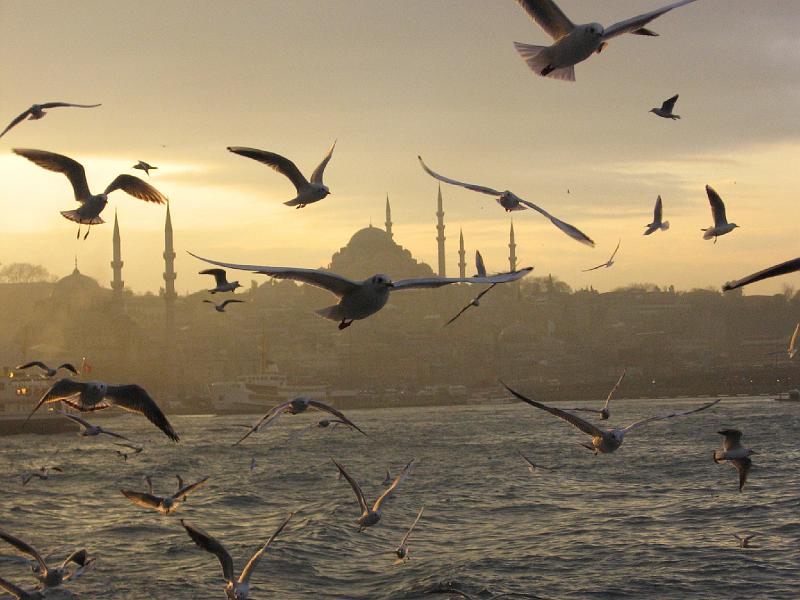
[88,229]
[345,324]
[79,233]
[547,70]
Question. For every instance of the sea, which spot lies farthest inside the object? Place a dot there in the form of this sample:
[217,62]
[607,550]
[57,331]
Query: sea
[653,520]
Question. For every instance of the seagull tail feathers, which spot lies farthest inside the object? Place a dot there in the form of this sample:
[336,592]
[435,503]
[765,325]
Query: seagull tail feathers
[538,60]
[334,313]
[73,215]
[665,226]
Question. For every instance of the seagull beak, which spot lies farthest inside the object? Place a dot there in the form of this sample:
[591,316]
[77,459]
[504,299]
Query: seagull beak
[389,284]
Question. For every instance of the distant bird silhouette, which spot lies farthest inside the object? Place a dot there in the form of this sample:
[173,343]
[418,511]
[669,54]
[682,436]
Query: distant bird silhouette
[37,111]
[402,550]
[47,370]
[658,223]
[532,466]
[784,268]
[221,279]
[143,166]
[665,110]
[221,307]
[721,225]
[733,451]
[608,263]
[604,412]
[744,540]
[133,450]
[41,473]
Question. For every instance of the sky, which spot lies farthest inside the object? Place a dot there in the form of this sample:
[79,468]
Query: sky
[180,81]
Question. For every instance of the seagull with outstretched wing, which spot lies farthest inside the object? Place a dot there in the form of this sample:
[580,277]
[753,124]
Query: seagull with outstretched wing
[608,263]
[48,372]
[221,281]
[402,550]
[604,412]
[220,308]
[37,111]
[665,110]
[143,166]
[784,268]
[167,504]
[736,453]
[721,225]
[532,466]
[89,430]
[658,222]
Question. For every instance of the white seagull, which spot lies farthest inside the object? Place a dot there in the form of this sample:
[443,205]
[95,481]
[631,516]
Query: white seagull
[784,268]
[143,166]
[221,280]
[307,192]
[360,299]
[665,110]
[721,225]
[744,540]
[603,440]
[658,223]
[88,213]
[370,516]
[402,550]
[295,407]
[96,395]
[738,455]
[47,370]
[37,111]
[50,577]
[510,201]
[235,589]
[164,505]
[608,263]
[575,43]
[221,307]
[604,412]
[89,430]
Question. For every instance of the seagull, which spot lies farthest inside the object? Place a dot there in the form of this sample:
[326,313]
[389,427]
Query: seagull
[88,213]
[603,440]
[784,268]
[96,395]
[47,370]
[234,589]
[575,43]
[721,225]
[295,407]
[307,193]
[51,577]
[792,350]
[221,307]
[370,516]
[733,451]
[666,109]
[532,466]
[89,430]
[42,474]
[223,285]
[609,262]
[480,267]
[657,222]
[164,505]
[512,202]
[360,299]
[124,455]
[37,111]
[143,166]
[744,540]
[604,412]
[402,550]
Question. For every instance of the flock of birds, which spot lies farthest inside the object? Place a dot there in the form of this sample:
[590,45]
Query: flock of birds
[356,300]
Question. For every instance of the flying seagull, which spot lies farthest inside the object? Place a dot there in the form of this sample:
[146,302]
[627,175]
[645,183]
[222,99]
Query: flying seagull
[133,450]
[792,350]
[295,407]
[88,213]
[96,395]
[143,166]
[164,505]
[47,370]
[307,192]
[784,268]
[738,455]
[608,263]
[532,466]
[51,577]
[658,223]
[604,412]
[220,278]
[89,430]
[511,202]
[360,299]
[744,540]
[603,440]
[41,473]
[721,225]
[370,516]
[37,111]
[221,307]
[402,550]
[665,110]
[575,43]
[234,589]
[480,267]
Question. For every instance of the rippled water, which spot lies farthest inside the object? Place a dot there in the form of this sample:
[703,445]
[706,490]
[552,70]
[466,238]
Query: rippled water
[652,520]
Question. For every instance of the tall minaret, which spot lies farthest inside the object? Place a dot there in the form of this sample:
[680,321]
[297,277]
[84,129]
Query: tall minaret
[512,249]
[440,230]
[116,264]
[462,264]
[169,299]
[388,217]
[169,262]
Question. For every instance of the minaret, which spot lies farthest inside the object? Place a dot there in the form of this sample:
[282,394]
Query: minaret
[169,262]
[169,299]
[512,250]
[440,237]
[388,217]
[462,264]
[116,264]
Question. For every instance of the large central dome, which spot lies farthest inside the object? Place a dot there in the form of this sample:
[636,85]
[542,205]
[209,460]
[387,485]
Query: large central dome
[372,250]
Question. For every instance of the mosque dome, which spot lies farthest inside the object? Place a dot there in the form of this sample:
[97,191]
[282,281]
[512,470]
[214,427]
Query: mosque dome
[75,282]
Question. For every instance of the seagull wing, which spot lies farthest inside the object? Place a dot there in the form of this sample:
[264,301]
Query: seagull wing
[35,363]
[335,284]
[658,212]
[316,176]
[69,367]
[60,164]
[479,265]
[12,589]
[112,434]
[210,544]
[142,499]
[329,409]
[669,104]
[82,422]
[134,398]
[224,304]
[570,230]
[633,426]
[253,562]
[732,439]
[265,421]
[790,266]
[615,251]
[138,188]
[410,529]
[549,17]
[528,460]
[17,120]
[395,484]
[634,23]
[717,207]
[461,312]
[584,426]
[362,502]
[24,548]
[614,389]
[219,275]
[594,268]
[793,341]
[281,164]
[62,104]
[61,389]
[469,186]
[742,465]
[435,282]
[189,488]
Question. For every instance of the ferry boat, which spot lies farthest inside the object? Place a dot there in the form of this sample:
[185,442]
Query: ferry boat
[19,393]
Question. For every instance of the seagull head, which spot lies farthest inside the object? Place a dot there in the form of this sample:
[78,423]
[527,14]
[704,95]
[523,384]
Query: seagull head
[593,29]
[325,190]
[381,281]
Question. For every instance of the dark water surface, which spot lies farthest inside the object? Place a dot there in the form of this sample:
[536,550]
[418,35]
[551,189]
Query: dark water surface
[653,520]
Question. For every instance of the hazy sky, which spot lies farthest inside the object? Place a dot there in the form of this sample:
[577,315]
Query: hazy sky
[180,81]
